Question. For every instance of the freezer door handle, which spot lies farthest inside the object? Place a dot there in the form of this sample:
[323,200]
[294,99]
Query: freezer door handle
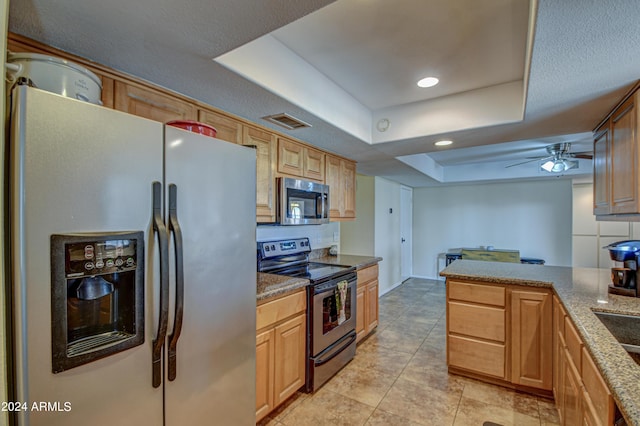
[174,229]
[160,230]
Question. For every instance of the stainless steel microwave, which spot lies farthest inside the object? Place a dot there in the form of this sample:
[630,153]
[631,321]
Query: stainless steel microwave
[302,202]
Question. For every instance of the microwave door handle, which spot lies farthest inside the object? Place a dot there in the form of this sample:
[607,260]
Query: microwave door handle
[174,229]
[161,232]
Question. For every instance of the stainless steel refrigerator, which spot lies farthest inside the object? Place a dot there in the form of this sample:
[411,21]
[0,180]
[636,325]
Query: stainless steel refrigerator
[132,269]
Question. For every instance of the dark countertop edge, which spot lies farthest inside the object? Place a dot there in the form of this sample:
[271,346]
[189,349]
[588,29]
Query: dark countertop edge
[600,344]
[272,286]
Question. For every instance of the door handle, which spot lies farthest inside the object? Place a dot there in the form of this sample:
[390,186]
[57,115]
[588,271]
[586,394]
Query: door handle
[403,240]
[161,232]
[174,229]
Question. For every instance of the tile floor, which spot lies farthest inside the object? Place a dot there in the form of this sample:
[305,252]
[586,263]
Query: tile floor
[399,377]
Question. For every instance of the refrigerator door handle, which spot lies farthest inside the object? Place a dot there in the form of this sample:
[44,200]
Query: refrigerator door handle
[174,229]
[160,230]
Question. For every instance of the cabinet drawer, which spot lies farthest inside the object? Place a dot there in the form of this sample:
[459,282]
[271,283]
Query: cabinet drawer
[597,389]
[367,274]
[279,309]
[474,355]
[477,321]
[574,343]
[477,293]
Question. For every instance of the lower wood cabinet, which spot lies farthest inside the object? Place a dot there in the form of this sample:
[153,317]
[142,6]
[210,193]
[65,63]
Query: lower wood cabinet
[280,350]
[367,302]
[500,332]
[581,394]
[531,339]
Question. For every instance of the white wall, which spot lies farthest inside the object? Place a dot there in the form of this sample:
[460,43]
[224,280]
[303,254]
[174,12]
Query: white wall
[387,233]
[533,217]
[589,235]
[357,237]
[376,231]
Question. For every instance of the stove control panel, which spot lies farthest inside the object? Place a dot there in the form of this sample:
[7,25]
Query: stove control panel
[269,249]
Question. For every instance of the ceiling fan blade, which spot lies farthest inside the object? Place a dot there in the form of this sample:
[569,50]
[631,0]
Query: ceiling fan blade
[528,161]
[583,155]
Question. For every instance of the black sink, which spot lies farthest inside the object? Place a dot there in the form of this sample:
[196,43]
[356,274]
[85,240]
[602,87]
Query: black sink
[626,330]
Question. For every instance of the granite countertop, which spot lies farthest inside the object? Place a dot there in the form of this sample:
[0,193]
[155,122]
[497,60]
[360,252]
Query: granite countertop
[581,291]
[359,262]
[271,285]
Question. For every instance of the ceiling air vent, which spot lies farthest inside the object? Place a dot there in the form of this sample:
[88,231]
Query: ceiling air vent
[287,121]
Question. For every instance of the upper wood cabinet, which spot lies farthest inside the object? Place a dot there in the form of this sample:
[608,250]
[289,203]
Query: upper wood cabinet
[275,153]
[341,177]
[152,104]
[228,128]
[601,166]
[295,159]
[265,145]
[616,177]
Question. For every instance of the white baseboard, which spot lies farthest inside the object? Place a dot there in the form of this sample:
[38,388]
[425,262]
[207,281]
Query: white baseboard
[438,278]
[389,289]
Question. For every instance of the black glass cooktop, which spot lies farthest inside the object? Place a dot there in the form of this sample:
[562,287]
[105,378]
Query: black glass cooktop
[315,272]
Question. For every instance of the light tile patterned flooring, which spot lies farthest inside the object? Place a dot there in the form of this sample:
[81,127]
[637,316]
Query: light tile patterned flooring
[399,377]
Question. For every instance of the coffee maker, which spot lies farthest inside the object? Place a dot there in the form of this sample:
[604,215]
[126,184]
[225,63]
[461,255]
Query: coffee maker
[624,279]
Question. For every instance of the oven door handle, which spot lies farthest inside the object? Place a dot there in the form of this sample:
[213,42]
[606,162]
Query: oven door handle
[335,351]
[328,288]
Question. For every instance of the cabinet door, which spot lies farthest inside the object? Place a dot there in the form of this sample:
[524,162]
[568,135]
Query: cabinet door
[531,339]
[228,129]
[349,189]
[601,177]
[600,402]
[624,172]
[265,365]
[313,164]
[372,306]
[265,145]
[289,358]
[152,104]
[558,329]
[361,308]
[290,157]
[333,179]
[572,395]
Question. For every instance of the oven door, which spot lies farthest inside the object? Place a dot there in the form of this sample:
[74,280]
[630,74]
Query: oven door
[334,311]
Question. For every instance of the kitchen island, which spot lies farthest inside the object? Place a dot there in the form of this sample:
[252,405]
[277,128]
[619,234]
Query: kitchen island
[581,291]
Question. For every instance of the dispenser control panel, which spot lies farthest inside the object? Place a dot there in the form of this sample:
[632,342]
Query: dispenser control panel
[98,257]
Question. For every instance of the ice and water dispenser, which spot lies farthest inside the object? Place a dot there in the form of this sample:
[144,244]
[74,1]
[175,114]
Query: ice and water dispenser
[97,296]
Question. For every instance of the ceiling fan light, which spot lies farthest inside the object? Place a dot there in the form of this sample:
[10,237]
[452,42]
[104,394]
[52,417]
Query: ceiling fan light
[558,166]
[547,166]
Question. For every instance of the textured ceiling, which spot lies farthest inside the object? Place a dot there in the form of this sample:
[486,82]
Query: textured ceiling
[585,56]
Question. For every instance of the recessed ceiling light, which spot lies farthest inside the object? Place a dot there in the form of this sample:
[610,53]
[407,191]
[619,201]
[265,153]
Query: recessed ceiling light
[443,143]
[428,82]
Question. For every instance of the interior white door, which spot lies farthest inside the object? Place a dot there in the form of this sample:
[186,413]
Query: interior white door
[406,230]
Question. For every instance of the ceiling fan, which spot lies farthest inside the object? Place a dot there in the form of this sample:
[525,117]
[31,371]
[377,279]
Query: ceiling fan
[560,158]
